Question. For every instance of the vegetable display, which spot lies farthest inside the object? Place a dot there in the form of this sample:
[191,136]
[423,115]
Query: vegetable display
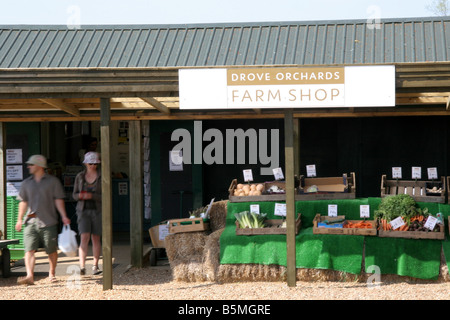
[248,219]
[249,189]
[360,224]
[403,206]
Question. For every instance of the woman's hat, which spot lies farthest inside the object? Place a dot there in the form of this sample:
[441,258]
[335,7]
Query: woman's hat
[91,157]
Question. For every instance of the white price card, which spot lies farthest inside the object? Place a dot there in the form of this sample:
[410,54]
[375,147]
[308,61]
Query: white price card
[278,174]
[397,223]
[280,209]
[364,211]
[397,172]
[332,210]
[432,173]
[430,223]
[416,173]
[248,175]
[311,170]
[163,231]
[254,208]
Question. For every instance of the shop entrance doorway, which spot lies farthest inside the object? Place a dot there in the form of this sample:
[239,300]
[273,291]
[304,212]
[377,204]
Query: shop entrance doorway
[176,183]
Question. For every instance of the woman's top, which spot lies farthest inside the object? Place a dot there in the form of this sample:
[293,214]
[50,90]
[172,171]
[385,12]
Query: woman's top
[95,188]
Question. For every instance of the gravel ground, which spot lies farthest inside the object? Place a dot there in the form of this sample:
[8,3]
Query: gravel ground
[156,283]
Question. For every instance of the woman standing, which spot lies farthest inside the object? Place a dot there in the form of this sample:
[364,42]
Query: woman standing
[88,194]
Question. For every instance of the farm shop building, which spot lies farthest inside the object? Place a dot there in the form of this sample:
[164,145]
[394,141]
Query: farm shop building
[121,84]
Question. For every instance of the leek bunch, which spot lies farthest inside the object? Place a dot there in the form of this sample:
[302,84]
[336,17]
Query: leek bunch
[248,219]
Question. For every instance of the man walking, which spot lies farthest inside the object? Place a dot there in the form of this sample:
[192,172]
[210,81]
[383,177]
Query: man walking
[41,196]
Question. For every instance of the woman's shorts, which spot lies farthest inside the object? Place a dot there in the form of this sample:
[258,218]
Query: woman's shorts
[90,221]
[35,237]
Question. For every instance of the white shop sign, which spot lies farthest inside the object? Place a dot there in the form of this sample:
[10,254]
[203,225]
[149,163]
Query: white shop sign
[290,87]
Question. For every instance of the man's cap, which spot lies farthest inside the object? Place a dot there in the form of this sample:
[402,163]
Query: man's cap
[38,160]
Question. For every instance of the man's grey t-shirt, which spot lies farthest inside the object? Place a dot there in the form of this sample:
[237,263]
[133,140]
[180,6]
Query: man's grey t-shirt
[41,196]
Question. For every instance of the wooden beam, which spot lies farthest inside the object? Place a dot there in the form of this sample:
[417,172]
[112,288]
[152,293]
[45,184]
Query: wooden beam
[136,194]
[59,104]
[106,193]
[156,104]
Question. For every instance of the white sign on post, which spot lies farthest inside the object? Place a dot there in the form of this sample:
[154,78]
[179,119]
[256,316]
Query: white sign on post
[248,175]
[397,172]
[416,172]
[311,170]
[432,173]
[254,208]
[280,209]
[278,173]
[364,211]
[332,210]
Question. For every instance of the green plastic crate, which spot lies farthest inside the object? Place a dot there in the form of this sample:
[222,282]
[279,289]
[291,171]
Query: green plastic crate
[12,212]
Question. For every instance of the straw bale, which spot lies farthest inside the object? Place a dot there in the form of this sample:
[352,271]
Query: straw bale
[185,244]
[218,215]
[211,255]
[188,269]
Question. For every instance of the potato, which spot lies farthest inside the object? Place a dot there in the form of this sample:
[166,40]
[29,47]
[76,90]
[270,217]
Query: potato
[253,187]
[239,186]
[260,187]
[256,193]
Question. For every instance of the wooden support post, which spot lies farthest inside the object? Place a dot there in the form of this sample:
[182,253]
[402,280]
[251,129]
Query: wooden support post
[106,193]
[297,147]
[136,207]
[290,197]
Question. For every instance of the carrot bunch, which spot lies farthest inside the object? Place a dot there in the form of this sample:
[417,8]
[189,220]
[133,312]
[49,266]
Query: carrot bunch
[384,225]
[361,224]
[417,218]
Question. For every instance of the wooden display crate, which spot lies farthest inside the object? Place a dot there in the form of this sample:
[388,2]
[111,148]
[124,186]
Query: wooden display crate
[328,188]
[272,228]
[416,189]
[156,236]
[440,235]
[188,225]
[263,197]
[345,231]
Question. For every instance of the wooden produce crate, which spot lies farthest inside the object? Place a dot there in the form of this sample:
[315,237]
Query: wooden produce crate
[345,231]
[188,225]
[265,195]
[440,235]
[416,189]
[328,188]
[157,237]
[272,228]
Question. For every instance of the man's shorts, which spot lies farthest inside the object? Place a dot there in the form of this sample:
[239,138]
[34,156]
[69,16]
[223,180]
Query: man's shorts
[36,237]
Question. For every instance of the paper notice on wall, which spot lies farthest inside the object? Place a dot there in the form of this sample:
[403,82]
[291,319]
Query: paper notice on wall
[13,156]
[14,173]
[12,188]
[176,160]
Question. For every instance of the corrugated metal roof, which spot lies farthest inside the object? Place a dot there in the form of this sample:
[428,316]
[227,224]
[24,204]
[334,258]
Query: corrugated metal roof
[284,43]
